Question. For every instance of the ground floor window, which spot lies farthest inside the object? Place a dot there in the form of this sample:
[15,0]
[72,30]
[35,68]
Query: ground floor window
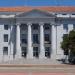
[36,52]
[5,50]
[24,51]
[47,52]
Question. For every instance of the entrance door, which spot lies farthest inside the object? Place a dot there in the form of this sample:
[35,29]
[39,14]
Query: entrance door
[35,52]
[47,52]
[24,52]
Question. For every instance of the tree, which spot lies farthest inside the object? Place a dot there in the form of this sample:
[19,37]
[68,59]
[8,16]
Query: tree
[68,42]
[68,45]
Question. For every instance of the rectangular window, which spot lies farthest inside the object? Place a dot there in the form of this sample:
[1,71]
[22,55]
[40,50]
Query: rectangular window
[6,27]
[47,38]
[35,38]
[35,52]
[46,26]
[65,36]
[5,37]
[24,51]
[5,50]
[35,26]
[73,26]
[47,52]
[65,26]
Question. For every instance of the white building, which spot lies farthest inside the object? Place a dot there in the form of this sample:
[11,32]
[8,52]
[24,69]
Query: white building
[34,32]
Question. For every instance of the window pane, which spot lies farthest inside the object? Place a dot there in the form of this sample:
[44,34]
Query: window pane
[47,39]
[5,37]
[65,26]
[24,51]
[6,27]
[47,52]
[73,26]
[35,38]
[5,50]
[35,26]
[35,52]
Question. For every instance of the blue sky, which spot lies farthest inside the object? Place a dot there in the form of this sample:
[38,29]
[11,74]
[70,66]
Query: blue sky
[4,3]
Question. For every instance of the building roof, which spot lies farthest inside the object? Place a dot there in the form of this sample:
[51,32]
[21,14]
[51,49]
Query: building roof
[44,8]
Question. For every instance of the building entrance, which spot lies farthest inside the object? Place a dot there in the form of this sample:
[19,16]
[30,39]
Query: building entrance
[24,52]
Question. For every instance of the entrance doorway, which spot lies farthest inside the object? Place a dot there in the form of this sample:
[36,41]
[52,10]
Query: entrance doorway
[47,52]
[24,52]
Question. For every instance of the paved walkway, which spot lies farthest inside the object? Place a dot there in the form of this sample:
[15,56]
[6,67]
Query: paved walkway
[37,74]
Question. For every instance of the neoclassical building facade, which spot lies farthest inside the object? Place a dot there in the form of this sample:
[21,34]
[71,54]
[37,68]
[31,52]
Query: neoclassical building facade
[34,32]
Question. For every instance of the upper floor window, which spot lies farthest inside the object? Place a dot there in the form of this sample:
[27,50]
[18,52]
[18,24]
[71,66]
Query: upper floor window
[6,27]
[35,26]
[65,26]
[47,38]
[35,38]
[5,50]
[5,37]
[46,26]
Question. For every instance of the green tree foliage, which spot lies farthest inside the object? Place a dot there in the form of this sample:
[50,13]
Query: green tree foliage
[68,43]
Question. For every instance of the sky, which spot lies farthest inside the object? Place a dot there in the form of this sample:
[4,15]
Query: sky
[8,3]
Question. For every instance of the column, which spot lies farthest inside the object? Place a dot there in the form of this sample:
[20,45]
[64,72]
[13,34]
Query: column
[30,50]
[18,48]
[53,53]
[42,49]
[11,42]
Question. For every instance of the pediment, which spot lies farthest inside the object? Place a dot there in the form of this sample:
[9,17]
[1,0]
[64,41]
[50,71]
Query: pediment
[35,14]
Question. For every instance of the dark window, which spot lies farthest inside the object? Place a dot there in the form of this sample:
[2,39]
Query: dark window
[35,52]
[23,38]
[73,26]
[65,26]
[5,37]
[65,36]
[24,51]
[35,38]
[35,27]
[23,27]
[47,52]
[46,26]
[6,27]
[47,38]
[5,50]
[24,41]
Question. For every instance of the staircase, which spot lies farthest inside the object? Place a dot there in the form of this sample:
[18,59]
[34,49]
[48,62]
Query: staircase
[32,61]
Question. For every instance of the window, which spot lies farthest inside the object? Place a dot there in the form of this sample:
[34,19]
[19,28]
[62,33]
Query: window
[73,26]
[47,26]
[35,52]
[23,27]
[35,26]
[5,50]
[23,38]
[24,51]
[47,38]
[65,36]
[5,37]
[35,38]
[24,41]
[47,52]
[6,27]
[65,26]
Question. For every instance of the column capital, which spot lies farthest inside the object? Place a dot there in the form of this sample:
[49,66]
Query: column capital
[29,24]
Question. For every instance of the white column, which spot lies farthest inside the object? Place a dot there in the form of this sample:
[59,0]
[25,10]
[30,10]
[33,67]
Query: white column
[18,48]
[42,49]
[53,52]
[11,42]
[30,50]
